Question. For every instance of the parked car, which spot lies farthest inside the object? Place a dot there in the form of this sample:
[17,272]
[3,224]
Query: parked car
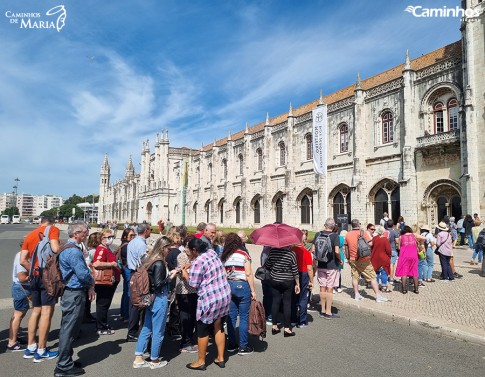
[36,220]
[5,219]
[28,220]
[16,219]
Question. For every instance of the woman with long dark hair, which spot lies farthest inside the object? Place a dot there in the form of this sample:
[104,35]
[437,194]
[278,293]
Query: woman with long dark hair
[206,274]
[237,263]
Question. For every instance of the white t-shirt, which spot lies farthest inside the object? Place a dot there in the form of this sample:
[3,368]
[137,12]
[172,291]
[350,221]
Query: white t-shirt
[17,267]
[429,238]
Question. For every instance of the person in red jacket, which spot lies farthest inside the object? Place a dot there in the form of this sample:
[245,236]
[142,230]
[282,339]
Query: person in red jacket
[381,257]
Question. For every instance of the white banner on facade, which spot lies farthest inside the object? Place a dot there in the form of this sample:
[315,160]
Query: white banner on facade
[320,139]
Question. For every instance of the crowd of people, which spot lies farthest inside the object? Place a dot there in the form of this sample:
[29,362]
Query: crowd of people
[201,284]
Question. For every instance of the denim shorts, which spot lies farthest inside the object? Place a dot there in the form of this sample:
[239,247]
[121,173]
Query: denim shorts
[394,257]
[20,302]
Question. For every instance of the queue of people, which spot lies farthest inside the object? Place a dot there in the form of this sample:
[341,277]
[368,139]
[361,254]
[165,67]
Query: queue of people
[203,283]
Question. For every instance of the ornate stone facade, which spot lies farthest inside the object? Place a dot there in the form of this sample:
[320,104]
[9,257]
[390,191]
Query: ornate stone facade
[404,141]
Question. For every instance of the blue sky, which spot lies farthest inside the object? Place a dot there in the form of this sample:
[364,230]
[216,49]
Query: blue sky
[120,71]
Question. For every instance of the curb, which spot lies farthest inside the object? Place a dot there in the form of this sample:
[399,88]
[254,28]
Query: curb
[441,329]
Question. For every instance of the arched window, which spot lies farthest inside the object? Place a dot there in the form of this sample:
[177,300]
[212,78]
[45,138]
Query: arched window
[279,210]
[387,127]
[241,164]
[257,212]
[210,171]
[309,146]
[344,138]
[453,114]
[259,156]
[438,118]
[238,212]
[281,146]
[224,167]
[306,210]
[207,210]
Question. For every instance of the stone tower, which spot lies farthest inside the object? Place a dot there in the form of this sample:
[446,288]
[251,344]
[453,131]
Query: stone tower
[473,106]
[105,175]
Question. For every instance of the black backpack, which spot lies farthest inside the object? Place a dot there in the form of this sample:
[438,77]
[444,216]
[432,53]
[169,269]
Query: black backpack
[323,247]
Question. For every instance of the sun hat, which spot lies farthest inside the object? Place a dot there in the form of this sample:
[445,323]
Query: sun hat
[442,226]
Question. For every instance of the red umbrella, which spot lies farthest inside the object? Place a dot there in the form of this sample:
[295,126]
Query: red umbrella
[277,235]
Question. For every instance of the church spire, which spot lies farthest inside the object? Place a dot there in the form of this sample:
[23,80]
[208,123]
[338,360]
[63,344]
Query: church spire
[267,119]
[130,169]
[290,112]
[246,130]
[105,162]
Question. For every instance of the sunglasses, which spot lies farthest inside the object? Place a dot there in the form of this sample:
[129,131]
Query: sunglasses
[109,237]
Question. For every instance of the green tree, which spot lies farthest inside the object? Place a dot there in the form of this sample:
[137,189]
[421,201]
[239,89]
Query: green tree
[66,210]
[50,212]
[74,199]
[11,211]
[89,199]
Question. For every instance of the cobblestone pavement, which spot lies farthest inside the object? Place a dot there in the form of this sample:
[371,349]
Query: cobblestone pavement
[455,308]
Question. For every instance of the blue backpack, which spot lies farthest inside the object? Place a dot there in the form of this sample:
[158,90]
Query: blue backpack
[42,251]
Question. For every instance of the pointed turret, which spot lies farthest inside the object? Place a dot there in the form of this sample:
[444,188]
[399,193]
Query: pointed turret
[267,120]
[157,139]
[246,131]
[130,169]
[105,162]
[290,112]
[229,138]
[407,63]
[358,85]
[320,100]
[105,174]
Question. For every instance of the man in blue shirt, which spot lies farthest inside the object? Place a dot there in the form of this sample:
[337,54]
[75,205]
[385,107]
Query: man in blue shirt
[136,251]
[78,280]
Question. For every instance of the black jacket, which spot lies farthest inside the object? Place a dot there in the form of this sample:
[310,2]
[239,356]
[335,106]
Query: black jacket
[468,224]
[157,274]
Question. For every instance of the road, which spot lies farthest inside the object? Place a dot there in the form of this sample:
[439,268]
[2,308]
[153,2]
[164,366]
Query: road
[357,344]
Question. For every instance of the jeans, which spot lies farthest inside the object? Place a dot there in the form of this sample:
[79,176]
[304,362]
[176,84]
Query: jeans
[72,307]
[125,298]
[478,252]
[381,276]
[281,292]
[470,240]
[153,326]
[267,298]
[430,263]
[240,304]
[445,265]
[303,299]
[423,269]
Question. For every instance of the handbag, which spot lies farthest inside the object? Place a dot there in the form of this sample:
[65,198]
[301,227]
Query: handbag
[262,274]
[436,251]
[104,276]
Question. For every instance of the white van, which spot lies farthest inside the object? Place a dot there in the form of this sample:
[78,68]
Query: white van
[36,220]
[16,219]
[5,219]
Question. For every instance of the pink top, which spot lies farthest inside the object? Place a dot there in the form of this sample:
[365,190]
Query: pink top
[444,239]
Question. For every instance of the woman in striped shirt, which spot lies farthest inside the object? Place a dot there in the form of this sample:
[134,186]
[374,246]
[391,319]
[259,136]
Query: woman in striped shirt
[283,269]
[238,268]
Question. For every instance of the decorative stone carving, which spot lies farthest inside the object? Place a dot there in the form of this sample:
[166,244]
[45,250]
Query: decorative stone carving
[304,117]
[385,88]
[257,135]
[347,102]
[437,68]
[437,139]
[280,127]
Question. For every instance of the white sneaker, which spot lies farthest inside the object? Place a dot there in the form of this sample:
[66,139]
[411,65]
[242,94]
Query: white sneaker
[382,299]
[358,297]
[339,290]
